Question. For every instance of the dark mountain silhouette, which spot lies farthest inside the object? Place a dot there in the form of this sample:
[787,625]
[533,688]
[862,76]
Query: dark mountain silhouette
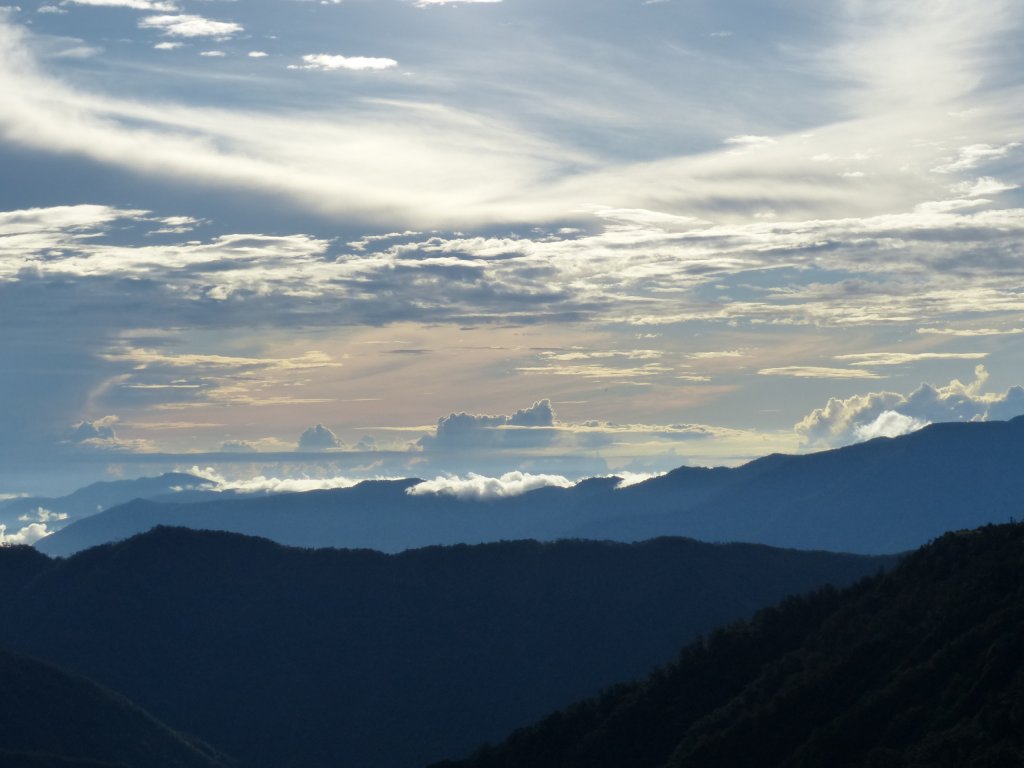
[18,566]
[49,718]
[883,496]
[919,667]
[283,656]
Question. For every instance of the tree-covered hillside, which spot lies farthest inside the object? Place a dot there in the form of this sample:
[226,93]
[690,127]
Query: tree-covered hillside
[919,667]
[52,719]
[284,656]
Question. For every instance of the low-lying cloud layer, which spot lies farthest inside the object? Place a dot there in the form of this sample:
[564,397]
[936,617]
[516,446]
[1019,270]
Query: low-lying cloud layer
[479,488]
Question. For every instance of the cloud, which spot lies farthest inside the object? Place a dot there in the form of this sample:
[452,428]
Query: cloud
[871,359]
[982,187]
[167,46]
[186,25]
[527,427]
[748,140]
[318,438]
[479,488]
[257,54]
[973,155]
[213,54]
[237,446]
[366,443]
[843,421]
[43,515]
[627,479]
[99,429]
[888,424]
[28,535]
[328,63]
[209,380]
[597,371]
[970,332]
[818,372]
[137,5]
[430,3]
[215,481]
[99,434]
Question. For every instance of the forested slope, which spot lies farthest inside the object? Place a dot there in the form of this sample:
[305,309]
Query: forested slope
[919,667]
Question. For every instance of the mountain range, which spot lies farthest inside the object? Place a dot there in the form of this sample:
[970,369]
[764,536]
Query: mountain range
[283,656]
[882,496]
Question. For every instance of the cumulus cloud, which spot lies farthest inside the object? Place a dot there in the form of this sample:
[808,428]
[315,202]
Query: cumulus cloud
[328,63]
[187,25]
[888,424]
[99,429]
[28,535]
[527,427]
[844,421]
[318,438]
[43,515]
[478,487]
[366,443]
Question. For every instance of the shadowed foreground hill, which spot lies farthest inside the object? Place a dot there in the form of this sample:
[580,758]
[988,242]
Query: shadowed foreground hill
[51,719]
[288,657]
[920,667]
[884,496]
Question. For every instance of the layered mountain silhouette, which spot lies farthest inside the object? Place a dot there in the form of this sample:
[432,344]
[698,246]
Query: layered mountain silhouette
[918,667]
[884,496]
[100,496]
[282,656]
[52,719]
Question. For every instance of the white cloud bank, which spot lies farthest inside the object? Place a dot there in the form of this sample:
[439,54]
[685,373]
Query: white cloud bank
[889,414]
[478,487]
[215,481]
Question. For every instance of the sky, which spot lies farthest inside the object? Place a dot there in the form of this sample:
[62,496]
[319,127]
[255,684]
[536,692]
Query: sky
[383,238]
